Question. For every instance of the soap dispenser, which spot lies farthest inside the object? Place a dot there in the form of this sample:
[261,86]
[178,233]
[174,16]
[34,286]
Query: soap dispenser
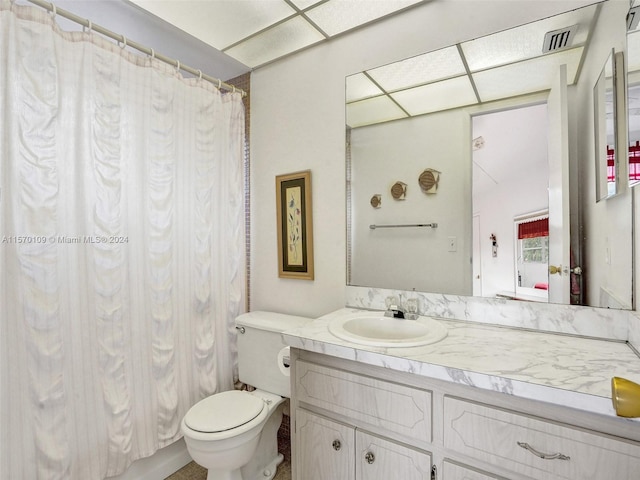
[625,395]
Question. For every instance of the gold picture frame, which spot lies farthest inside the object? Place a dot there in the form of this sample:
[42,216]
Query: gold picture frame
[295,226]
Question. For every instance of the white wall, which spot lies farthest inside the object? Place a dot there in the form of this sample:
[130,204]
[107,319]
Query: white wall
[297,123]
[400,151]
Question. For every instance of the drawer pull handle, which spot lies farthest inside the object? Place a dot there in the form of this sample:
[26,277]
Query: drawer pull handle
[546,456]
[336,445]
[370,458]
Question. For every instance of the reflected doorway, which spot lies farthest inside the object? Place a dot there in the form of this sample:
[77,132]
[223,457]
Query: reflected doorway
[510,180]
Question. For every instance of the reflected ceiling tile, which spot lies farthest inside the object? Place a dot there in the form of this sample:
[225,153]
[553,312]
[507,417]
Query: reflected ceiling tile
[526,77]
[523,42]
[360,87]
[338,16]
[302,4]
[633,49]
[373,110]
[287,37]
[452,93]
[418,70]
[255,14]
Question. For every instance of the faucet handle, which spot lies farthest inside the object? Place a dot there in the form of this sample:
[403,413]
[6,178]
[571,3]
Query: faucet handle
[391,302]
[412,305]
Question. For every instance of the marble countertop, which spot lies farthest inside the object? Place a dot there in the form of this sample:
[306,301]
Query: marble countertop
[555,368]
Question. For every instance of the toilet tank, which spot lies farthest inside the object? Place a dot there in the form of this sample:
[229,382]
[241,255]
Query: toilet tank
[258,349]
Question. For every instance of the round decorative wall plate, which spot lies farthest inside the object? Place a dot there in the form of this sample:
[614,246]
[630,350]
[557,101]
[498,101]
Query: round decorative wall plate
[428,180]
[399,190]
[376,200]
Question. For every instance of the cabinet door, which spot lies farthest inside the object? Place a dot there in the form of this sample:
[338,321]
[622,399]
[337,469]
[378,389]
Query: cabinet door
[453,471]
[379,459]
[325,449]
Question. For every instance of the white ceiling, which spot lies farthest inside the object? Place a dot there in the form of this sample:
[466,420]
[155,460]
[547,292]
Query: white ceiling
[514,149]
[256,32]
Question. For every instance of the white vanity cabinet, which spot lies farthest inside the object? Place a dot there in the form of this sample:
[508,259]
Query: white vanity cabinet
[332,450]
[350,426]
[353,421]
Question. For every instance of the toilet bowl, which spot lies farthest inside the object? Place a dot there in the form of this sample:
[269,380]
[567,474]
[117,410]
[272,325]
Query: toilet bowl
[223,432]
[233,434]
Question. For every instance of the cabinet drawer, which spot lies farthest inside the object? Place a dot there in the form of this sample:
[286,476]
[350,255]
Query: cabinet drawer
[364,400]
[511,440]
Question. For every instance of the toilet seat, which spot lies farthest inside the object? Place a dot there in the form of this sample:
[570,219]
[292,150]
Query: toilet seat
[224,411]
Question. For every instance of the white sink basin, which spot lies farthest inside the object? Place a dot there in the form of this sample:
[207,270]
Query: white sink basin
[374,329]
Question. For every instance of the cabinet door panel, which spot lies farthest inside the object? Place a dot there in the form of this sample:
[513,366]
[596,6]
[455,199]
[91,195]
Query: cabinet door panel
[453,471]
[379,459]
[325,449]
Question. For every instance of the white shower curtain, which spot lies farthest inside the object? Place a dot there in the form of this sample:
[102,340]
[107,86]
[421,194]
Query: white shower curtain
[121,249]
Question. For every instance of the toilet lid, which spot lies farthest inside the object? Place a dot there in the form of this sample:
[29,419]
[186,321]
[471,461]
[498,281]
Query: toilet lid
[223,411]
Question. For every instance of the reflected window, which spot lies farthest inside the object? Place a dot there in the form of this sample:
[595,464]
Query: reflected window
[533,252]
[611,165]
[634,161]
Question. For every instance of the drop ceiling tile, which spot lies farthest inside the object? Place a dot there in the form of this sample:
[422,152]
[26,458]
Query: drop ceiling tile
[523,42]
[373,110]
[526,77]
[302,4]
[337,16]
[285,38]
[426,68]
[359,87]
[451,93]
[219,23]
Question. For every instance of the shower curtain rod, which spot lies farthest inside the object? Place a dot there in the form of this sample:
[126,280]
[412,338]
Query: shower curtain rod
[122,39]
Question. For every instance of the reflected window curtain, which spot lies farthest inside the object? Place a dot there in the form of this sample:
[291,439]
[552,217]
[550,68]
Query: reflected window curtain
[121,249]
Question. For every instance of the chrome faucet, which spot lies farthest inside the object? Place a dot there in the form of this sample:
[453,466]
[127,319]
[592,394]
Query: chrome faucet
[394,311]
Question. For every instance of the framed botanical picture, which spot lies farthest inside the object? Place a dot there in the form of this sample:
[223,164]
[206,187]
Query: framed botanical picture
[295,228]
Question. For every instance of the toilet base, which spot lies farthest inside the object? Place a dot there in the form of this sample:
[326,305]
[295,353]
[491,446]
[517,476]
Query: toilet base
[224,475]
[263,464]
[268,472]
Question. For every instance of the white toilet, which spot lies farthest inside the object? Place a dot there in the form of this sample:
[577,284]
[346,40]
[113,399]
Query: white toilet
[234,434]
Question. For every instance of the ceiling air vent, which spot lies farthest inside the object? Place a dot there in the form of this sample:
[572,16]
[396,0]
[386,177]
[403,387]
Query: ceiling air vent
[559,39]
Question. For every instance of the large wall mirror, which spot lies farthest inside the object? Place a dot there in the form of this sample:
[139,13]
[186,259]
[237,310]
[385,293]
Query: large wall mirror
[491,121]
[633,85]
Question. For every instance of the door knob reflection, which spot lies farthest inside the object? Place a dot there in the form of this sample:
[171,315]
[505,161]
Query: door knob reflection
[553,269]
